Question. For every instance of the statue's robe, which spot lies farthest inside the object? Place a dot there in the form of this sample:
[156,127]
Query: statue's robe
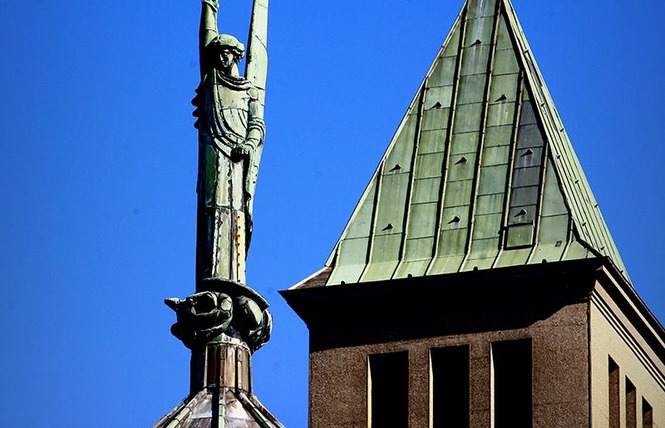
[223,116]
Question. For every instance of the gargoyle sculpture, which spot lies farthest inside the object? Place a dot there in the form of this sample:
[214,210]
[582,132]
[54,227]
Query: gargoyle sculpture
[206,316]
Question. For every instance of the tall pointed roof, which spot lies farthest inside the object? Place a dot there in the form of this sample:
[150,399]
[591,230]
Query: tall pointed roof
[480,173]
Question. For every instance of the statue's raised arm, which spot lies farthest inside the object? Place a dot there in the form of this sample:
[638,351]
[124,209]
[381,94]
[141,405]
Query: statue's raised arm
[207,30]
[257,58]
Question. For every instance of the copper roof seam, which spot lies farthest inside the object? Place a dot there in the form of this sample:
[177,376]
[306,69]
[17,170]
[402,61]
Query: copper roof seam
[610,246]
[264,411]
[180,413]
[481,137]
[583,242]
[592,224]
[581,192]
[372,224]
[412,176]
[539,207]
[372,221]
[569,235]
[511,160]
[513,146]
[448,141]
[252,409]
[522,87]
[332,257]
[570,197]
[535,240]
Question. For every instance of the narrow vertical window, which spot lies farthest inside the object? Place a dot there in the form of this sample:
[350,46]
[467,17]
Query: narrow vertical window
[512,380]
[388,390]
[613,387]
[631,405]
[647,414]
[450,387]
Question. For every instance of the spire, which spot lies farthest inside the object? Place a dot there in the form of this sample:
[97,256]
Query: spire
[480,173]
[225,321]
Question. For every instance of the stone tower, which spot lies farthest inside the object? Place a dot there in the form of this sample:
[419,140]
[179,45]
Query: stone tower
[225,321]
[476,283]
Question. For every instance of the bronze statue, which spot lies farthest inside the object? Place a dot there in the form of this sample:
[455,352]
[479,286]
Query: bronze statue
[225,321]
[229,111]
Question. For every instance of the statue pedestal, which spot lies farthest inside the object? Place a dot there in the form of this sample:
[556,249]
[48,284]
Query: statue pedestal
[225,363]
[221,391]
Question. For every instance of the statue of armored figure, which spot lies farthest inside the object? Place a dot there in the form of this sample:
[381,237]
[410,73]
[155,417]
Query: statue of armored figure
[229,111]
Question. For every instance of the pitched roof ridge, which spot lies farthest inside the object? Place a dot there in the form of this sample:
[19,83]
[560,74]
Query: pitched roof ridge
[563,148]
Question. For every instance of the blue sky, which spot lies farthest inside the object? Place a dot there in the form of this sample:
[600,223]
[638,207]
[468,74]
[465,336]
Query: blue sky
[98,171]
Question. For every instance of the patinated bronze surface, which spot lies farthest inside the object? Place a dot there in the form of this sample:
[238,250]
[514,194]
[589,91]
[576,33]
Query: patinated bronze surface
[229,112]
[225,321]
[203,317]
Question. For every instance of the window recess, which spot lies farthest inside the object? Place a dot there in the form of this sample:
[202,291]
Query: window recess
[512,379]
[388,390]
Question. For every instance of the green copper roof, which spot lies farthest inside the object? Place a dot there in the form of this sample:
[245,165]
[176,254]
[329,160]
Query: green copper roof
[480,173]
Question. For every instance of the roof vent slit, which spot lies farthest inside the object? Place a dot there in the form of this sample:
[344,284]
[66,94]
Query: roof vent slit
[521,213]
